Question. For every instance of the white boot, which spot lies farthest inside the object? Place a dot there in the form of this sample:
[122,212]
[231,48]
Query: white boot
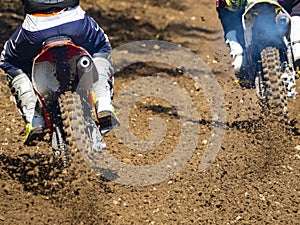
[295,39]
[26,99]
[103,89]
[236,50]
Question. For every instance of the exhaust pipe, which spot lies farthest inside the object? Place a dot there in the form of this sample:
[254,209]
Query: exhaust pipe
[84,65]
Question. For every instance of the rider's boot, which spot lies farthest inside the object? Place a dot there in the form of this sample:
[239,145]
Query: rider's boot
[295,39]
[103,90]
[26,99]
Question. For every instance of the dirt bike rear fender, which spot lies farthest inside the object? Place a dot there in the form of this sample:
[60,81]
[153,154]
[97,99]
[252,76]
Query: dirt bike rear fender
[251,13]
[60,67]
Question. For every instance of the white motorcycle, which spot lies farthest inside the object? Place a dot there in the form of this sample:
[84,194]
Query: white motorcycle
[269,54]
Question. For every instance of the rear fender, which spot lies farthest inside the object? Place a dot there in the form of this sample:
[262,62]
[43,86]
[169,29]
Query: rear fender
[252,12]
[62,66]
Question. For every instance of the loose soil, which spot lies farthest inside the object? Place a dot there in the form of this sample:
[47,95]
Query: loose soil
[254,178]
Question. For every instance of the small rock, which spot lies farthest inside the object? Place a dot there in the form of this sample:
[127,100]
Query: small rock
[262,197]
[238,218]
[136,17]
[155,210]
[126,160]
[297,147]
[156,47]
[6,189]
[277,203]
[115,202]
[197,86]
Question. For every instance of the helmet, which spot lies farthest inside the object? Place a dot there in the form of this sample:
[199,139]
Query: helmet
[33,6]
[234,5]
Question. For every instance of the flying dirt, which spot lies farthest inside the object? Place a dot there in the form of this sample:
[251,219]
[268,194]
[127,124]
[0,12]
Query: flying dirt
[251,173]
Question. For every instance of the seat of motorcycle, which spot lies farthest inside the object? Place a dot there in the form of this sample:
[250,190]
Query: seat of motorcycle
[56,38]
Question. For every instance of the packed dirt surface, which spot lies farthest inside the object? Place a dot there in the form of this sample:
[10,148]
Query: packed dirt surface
[251,176]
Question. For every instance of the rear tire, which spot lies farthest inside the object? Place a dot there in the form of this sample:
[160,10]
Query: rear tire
[274,94]
[73,122]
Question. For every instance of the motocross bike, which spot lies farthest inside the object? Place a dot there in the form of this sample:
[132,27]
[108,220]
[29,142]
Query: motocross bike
[269,55]
[62,77]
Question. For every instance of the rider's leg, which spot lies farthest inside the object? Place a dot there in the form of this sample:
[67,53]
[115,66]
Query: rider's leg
[295,39]
[234,35]
[26,99]
[236,50]
[103,90]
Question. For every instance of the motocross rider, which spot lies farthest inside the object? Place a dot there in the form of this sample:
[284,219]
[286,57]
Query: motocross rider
[48,18]
[230,14]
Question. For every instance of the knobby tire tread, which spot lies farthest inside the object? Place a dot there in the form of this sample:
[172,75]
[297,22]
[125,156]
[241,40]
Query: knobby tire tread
[274,95]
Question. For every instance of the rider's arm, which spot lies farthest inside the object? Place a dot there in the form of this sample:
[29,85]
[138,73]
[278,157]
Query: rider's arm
[14,56]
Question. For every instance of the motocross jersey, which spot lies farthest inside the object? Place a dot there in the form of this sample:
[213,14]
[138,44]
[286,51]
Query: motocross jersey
[27,41]
[34,6]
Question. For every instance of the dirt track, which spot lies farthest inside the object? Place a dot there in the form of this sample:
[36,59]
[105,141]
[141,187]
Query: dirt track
[254,178]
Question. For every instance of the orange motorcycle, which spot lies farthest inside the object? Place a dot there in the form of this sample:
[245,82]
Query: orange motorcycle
[62,76]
